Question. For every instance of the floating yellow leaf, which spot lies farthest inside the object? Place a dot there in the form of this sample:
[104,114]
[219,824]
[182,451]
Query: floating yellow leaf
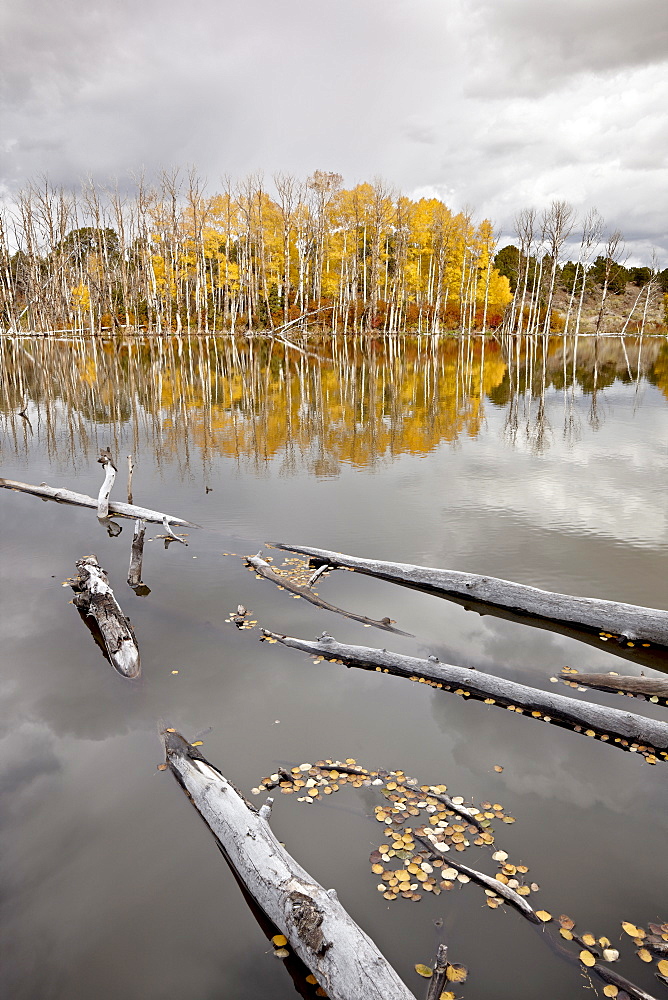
[566,934]
[644,955]
[424,970]
[197,743]
[587,958]
[162,767]
[279,940]
[311,980]
[544,916]
[456,973]
[447,996]
[632,930]
[662,966]
[610,990]
[498,768]
[589,940]
[281,953]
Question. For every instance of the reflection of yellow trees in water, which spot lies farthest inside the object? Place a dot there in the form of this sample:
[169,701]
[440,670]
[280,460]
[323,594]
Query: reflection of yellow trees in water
[355,400]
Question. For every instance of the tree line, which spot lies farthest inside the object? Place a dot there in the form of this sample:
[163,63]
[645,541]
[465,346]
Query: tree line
[170,258]
[537,271]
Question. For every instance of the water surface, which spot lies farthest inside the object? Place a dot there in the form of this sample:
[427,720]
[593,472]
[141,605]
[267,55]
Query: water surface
[539,461]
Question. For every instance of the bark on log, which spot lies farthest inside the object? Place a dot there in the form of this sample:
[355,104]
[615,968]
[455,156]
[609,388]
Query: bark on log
[107,486]
[622,729]
[95,599]
[649,687]
[262,567]
[628,621]
[344,960]
[137,554]
[82,500]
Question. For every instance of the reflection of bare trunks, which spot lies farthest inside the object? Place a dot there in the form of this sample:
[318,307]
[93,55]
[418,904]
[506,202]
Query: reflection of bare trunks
[95,599]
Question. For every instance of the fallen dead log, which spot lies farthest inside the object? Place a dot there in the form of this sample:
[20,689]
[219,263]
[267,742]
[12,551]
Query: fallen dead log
[344,960]
[626,622]
[137,554]
[262,567]
[648,687]
[623,729]
[95,599]
[81,500]
[107,486]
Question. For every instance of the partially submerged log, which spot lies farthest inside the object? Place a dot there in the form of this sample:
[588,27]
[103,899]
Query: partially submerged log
[137,554]
[627,623]
[344,960]
[95,599]
[262,567]
[106,488]
[623,729]
[647,687]
[81,500]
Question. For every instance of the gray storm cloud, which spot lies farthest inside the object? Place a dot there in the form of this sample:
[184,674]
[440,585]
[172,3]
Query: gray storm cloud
[505,104]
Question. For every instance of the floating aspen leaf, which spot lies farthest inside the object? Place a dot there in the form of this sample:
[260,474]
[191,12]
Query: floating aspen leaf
[587,958]
[456,973]
[448,995]
[279,940]
[197,743]
[498,768]
[662,966]
[566,922]
[170,730]
[610,990]
[566,934]
[281,953]
[311,980]
[544,916]
[644,955]
[162,767]
[632,930]
[589,940]
[424,970]
[320,992]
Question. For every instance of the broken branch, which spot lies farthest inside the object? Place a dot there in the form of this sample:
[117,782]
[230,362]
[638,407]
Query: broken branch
[137,554]
[109,477]
[649,687]
[262,567]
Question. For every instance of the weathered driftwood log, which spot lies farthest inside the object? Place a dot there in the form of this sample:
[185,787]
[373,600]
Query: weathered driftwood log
[137,554]
[106,488]
[262,567]
[623,729]
[344,960]
[649,687]
[81,500]
[95,598]
[612,977]
[629,622]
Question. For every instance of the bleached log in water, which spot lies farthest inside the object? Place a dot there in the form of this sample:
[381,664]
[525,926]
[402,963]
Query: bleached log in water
[62,495]
[344,960]
[625,729]
[629,622]
[95,598]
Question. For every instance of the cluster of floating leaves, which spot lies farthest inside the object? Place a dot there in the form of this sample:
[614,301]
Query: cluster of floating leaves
[405,867]
[454,973]
[241,618]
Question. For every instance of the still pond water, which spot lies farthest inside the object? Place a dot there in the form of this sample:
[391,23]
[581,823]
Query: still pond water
[543,462]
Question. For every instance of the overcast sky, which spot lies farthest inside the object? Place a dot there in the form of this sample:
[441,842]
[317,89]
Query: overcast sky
[491,104]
